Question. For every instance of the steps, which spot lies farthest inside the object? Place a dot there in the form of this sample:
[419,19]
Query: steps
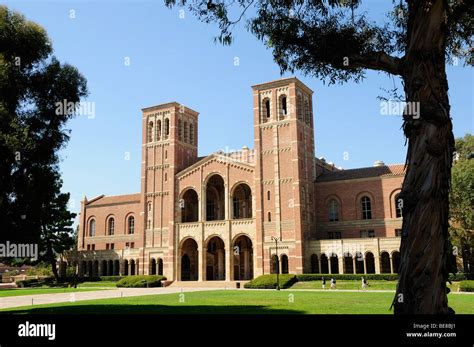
[207,284]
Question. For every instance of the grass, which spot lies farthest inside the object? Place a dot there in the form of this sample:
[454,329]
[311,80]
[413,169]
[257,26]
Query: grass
[41,290]
[97,284]
[242,302]
[356,285]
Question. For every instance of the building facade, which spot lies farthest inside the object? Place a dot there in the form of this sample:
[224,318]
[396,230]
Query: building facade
[234,216]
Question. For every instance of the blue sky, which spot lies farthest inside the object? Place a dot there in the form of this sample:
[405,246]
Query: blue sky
[175,59]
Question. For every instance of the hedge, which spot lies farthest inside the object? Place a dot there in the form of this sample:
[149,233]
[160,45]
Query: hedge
[143,281]
[466,286]
[270,282]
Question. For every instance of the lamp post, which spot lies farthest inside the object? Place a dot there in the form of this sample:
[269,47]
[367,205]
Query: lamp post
[276,239]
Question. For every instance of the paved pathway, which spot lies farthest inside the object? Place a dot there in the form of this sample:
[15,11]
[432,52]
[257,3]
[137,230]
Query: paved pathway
[41,299]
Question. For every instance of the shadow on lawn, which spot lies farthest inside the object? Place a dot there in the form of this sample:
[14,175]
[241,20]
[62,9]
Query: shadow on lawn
[153,309]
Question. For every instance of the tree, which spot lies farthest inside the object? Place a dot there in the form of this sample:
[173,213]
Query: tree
[32,129]
[462,202]
[331,40]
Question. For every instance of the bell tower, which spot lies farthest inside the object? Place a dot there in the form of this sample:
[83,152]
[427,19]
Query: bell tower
[169,144]
[284,173]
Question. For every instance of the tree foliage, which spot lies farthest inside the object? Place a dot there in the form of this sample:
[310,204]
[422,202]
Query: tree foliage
[32,82]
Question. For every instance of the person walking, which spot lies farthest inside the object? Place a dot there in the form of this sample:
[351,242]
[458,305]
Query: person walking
[324,283]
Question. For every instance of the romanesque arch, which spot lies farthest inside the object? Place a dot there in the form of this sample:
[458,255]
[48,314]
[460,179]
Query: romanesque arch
[314,264]
[189,206]
[215,259]
[369,263]
[242,249]
[215,192]
[324,264]
[385,263]
[189,260]
[348,263]
[241,201]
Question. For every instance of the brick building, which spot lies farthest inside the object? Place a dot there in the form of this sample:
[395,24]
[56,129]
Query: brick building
[217,217]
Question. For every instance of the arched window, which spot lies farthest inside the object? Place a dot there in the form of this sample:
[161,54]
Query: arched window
[366,207]
[191,133]
[283,106]
[398,206]
[150,132]
[284,264]
[131,225]
[158,131]
[269,216]
[92,227]
[333,210]
[300,107]
[149,206]
[266,110]
[167,128]
[166,155]
[186,132]
[111,226]
[306,111]
[180,130]
[166,177]
[268,195]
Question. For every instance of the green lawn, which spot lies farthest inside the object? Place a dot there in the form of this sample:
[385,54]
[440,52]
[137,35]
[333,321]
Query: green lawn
[244,302]
[97,284]
[356,285]
[41,290]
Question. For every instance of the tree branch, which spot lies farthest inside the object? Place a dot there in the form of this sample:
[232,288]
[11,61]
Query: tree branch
[377,61]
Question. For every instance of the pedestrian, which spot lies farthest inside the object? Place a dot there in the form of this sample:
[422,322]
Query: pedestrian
[324,282]
[333,283]
[364,283]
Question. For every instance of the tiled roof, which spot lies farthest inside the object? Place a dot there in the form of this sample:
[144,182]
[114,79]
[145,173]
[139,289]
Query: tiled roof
[365,172]
[113,199]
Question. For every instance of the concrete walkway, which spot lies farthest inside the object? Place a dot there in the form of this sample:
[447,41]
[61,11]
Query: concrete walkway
[42,299]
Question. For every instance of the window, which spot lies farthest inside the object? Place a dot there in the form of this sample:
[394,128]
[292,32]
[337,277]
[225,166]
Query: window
[166,155]
[149,206]
[269,216]
[266,110]
[167,128]
[112,246]
[367,233]
[158,131]
[398,206]
[106,246]
[333,210]
[111,226]
[300,107]
[186,131]
[191,133]
[334,235]
[283,106]
[131,225]
[148,224]
[166,177]
[92,228]
[268,195]
[88,247]
[180,130]
[366,207]
[398,232]
[306,112]
[150,132]
[132,244]
[92,247]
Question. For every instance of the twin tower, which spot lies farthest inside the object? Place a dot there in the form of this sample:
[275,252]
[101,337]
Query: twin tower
[278,173]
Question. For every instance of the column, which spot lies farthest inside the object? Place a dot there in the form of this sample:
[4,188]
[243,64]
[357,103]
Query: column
[202,264]
[329,265]
[354,264]
[365,265]
[341,264]
[391,265]
[319,264]
[377,264]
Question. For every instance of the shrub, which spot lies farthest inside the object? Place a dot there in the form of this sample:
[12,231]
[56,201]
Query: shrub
[466,286]
[270,282]
[461,276]
[140,281]
[34,282]
[347,277]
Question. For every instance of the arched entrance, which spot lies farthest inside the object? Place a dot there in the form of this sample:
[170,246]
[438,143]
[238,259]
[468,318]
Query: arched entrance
[116,268]
[348,264]
[242,202]
[152,266]
[215,259]
[125,268]
[132,267]
[369,263]
[160,266]
[242,258]
[274,264]
[215,198]
[334,263]
[110,268]
[190,206]
[395,261]
[385,263]
[189,260]
[324,264]
[359,263]
[284,264]
[103,270]
[314,264]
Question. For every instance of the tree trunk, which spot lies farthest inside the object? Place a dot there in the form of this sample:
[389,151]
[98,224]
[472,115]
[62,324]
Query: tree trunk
[425,245]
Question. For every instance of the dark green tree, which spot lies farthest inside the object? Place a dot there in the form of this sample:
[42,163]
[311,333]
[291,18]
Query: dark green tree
[462,202]
[337,42]
[32,128]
